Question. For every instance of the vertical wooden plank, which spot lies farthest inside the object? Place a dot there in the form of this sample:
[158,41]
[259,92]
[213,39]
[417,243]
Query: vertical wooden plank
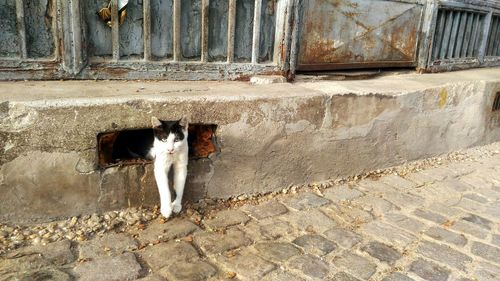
[484,36]
[453,35]
[468,35]
[430,17]
[177,30]
[279,36]
[446,35]
[438,37]
[256,31]
[146,5]
[460,35]
[21,29]
[474,35]
[205,4]
[294,45]
[231,30]
[495,38]
[115,31]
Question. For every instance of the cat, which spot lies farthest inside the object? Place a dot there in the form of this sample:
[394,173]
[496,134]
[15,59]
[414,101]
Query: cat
[166,144]
[170,149]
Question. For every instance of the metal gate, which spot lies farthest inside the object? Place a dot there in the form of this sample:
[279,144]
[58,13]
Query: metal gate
[340,34]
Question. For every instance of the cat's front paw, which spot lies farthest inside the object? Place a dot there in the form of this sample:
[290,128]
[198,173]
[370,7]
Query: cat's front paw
[166,212]
[176,207]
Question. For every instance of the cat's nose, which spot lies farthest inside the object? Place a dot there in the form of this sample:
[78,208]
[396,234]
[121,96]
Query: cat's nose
[170,151]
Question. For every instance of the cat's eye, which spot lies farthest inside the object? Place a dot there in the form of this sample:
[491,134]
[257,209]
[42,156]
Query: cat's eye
[177,139]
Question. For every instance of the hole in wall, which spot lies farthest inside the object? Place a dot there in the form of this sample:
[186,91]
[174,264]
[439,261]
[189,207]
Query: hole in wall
[496,102]
[114,147]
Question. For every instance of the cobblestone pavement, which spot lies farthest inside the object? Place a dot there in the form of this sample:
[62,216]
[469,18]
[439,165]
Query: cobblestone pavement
[441,223]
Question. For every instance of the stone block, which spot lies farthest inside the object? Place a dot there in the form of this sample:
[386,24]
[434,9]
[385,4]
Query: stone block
[312,220]
[356,265]
[216,243]
[486,251]
[188,271]
[389,234]
[344,238]
[161,255]
[246,265]
[309,266]
[266,210]
[280,275]
[429,270]
[430,216]
[108,245]
[342,193]
[382,252]
[172,229]
[396,276]
[445,235]
[444,254]
[398,182]
[480,221]
[277,251]
[315,244]
[409,224]
[226,218]
[306,200]
[120,268]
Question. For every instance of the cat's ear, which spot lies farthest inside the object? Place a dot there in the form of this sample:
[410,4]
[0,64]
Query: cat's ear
[184,122]
[155,122]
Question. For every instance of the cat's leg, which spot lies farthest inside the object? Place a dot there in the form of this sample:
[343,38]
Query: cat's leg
[180,173]
[161,175]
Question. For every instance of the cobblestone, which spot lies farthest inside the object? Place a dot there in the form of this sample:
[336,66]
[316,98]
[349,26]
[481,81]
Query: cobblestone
[442,234]
[356,265]
[429,270]
[404,223]
[309,266]
[382,252]
[444,254]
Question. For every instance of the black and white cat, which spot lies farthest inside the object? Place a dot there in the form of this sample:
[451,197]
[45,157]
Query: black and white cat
[170,149]
[167,145]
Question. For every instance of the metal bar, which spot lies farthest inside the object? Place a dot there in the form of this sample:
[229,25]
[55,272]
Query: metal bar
[446,35]
[475,31]
[256,31]
[484,36]
[468,35]
[146,6]
[438,38]
[489,46]
[205,4]
[115,30]
[231,28]
[460,35]
[177,30]
[453,34]
[21,28]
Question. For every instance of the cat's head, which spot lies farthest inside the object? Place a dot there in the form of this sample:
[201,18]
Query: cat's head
[172,135]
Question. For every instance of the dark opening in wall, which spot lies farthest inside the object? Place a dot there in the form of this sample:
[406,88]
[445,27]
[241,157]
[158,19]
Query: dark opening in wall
[496,102]
[114,147]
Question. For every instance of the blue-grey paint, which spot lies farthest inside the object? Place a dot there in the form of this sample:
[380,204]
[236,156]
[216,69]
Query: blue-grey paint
[39,16]
[9,41]
[161,29]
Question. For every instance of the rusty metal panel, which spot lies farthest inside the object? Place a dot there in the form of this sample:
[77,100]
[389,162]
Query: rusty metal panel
[359,33]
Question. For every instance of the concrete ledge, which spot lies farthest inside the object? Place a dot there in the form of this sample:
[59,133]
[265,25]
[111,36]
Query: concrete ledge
[271,136]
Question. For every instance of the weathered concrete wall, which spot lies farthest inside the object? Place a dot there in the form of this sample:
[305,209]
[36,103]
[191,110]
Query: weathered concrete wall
[270,136]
